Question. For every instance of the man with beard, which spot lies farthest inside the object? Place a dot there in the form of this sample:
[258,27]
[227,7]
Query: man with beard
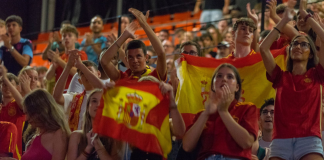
[94,42]
[266,121]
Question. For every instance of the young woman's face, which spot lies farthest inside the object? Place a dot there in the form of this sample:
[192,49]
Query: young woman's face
[33,75]
[94,103]
[300,49]
[226,76]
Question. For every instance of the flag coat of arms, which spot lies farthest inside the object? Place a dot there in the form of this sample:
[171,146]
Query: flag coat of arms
[195,75]
[136,113]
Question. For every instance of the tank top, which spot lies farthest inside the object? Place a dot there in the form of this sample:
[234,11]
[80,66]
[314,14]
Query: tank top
[36,151]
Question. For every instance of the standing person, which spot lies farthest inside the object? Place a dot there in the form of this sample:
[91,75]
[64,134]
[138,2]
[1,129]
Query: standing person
[266,118]
[223,50]
[16,52]
[135,53]
[51,139]
[11,107]
[69,37]
[80,146]
[226,129]
[213,11]
[296,135]
[94,42]
[75,104]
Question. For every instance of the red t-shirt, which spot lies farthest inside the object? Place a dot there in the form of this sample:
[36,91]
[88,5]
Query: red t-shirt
[8,138]
[12,113]
[280,43]
[298,103]
[59,69]
[231,55]
[127,75]
[215,138]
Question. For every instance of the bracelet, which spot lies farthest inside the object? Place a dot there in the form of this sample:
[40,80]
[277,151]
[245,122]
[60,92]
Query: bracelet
[276,29]
[84,153]
[308,15]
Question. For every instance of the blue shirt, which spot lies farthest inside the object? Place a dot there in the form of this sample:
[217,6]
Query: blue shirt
[92,55]
[24,46]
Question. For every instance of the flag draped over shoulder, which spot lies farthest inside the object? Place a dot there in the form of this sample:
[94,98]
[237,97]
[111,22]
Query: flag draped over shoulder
[195,75]
[136,113]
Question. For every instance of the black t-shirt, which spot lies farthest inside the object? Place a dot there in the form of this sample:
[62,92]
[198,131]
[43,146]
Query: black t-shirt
[214,4]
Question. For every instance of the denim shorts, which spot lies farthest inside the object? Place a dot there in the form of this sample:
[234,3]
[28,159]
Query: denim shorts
[295,148]
[219,157]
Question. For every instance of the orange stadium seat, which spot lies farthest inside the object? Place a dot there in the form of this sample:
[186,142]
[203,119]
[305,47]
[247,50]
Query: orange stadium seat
[40,47]
[38,61]
[83,30]
[185,26]
[147,42]
[140,34]
[161,19]
[182,16]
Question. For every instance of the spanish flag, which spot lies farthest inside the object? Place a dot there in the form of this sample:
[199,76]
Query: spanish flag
[195,75]
[136,113]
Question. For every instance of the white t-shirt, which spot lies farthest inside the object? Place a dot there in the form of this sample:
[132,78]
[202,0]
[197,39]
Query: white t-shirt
[68,97]
[264,144]
[76,87]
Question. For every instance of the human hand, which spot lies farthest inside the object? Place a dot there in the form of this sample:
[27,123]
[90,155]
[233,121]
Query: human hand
[272,5]
[251,14]
[226,98]
[109,85]
[73,56]
[130,29]
[89,138]
[139,15]
[288,15]
[89,38]
[254,157]
[302,9]
[3,71]
[6,38]
[24,80]
[50,38]
[225,10]
[53,56]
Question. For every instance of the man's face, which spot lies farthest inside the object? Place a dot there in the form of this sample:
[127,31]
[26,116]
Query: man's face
[163,36]
[96,25]
[190,49]
[243,35]
[267,118]
[222,25]
[136,59]
[2,29]
[168,47]
[207,42]
[151,60]
[223,51]
[13,28]
[69,39]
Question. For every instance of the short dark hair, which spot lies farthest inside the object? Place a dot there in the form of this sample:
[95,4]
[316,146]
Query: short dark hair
[267,102]
[206,35]
[178,30]
[69,28]
[11,77]
[88,63]
[244,20]
[166,31]
[191,43]
[135,44]
[237,77]
[14,18]
[281,8]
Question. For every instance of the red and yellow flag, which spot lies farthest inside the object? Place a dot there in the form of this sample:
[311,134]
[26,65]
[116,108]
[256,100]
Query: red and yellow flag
[195,75]
[136,113]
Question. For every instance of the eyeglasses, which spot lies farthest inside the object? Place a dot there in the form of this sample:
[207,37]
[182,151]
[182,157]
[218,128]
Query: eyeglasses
[265,112]
[193,53]
[303,45]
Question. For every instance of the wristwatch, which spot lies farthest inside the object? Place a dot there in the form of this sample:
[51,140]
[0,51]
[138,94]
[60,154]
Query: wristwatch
[11,49]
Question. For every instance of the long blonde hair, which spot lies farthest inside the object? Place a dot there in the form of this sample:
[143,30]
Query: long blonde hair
[41,106]
[87,126]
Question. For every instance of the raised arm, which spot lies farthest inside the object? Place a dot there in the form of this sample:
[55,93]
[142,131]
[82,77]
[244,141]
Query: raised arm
[156,43]
[288,30]
[108,55]
[121,52]
[251,14]
[54,56]
[24,80]
[266,55]
[51,71]
[60,84]
[94,80]
[178,128]
[15,93]
[316,26]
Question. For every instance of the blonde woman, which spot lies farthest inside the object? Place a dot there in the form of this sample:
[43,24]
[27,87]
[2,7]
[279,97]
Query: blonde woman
[84,145]
[52,131]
